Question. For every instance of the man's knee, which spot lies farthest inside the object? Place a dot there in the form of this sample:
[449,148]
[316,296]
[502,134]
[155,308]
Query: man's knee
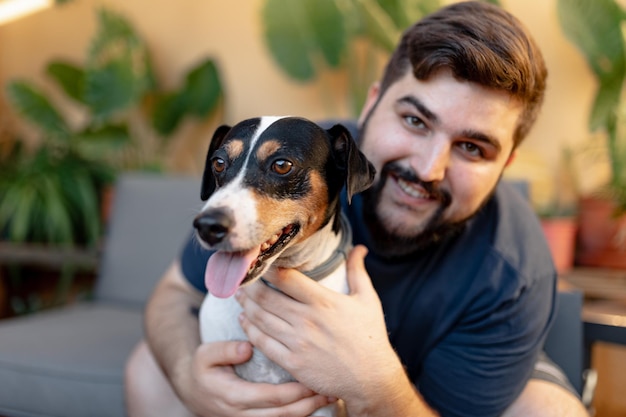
[546,399]
[147,391]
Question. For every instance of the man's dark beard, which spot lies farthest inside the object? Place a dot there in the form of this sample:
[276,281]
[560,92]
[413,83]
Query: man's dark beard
[389,244]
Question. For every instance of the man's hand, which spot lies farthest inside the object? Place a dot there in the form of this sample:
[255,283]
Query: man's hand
[211,387]
[336,344]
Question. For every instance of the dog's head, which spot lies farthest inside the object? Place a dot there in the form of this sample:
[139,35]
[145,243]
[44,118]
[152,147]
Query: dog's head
[270,183]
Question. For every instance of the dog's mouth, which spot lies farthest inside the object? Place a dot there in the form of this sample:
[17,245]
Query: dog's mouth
[274,244]
[227,271]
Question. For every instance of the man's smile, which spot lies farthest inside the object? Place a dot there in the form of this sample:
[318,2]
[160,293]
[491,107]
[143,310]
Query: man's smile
[413,189]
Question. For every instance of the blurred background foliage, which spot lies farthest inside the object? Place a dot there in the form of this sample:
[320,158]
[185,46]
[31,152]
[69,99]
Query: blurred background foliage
[53,193]
[307,36]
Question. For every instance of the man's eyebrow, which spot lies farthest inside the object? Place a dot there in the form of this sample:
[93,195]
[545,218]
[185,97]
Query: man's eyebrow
[419,106]
[482,137]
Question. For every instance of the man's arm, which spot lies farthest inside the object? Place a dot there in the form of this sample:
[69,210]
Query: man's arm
[172,328]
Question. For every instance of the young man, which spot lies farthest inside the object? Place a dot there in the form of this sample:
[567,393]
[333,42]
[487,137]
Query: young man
[448,311]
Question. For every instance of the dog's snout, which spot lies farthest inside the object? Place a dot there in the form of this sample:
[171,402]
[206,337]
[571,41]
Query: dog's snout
[213,226]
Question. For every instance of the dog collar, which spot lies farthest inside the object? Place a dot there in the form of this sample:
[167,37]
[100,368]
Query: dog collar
[339,255]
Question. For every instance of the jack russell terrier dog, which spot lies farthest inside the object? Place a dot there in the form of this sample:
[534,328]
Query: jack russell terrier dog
[272,189]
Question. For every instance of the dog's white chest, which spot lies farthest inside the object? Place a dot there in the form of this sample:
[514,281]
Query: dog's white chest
[219,322]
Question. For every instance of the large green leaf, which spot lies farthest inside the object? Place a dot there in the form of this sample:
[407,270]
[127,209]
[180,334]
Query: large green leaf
[297,32]
[115,34]
[378,25]
[118,70]
[58,227]
[36,108]
[70,78]
[203,89]
[605,103]
[595,28]
[98,143]
[81,196]
[326,24]
[199,96]
[110,89]
[18,207]
[168,112]
[397,11]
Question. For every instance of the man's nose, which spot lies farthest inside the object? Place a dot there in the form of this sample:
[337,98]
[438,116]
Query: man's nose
[432,160]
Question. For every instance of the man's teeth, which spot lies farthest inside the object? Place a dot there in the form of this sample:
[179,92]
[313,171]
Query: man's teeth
[412,189]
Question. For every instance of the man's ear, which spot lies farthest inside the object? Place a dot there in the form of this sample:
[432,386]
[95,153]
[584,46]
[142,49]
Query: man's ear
[208,181]
[359,172]
[511,158]
[370,101]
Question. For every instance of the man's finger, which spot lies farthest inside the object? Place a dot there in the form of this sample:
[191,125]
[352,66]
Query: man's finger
[358,278]
[224,353]
[297,285]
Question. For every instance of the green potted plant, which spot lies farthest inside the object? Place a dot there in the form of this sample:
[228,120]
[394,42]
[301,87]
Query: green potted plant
[595,27]
[115,85]
[51,195]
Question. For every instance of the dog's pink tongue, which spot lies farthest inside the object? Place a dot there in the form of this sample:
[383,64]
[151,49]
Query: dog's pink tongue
[225,271]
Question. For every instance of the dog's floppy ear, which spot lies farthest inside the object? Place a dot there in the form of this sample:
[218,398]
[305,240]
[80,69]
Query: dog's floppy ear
[208,182]
[359,171]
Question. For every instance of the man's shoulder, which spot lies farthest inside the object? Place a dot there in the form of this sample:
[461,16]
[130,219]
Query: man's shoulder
[517,236]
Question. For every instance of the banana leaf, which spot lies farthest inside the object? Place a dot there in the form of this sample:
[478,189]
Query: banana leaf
[70,78]
[34,106]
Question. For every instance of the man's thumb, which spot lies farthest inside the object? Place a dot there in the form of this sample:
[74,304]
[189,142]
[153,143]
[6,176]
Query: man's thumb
[358,279]
[225,353]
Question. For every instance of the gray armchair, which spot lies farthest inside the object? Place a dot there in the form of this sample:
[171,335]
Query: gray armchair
[69,361]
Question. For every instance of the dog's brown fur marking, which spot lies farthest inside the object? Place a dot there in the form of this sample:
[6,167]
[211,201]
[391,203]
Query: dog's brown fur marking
[234,148]
[266,149]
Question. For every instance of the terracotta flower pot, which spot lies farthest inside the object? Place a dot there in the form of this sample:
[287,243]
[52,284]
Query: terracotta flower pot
[560,233]
[601,235]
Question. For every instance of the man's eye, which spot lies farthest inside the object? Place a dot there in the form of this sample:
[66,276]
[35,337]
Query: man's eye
[414,121]
[282,166]
[219,165]
[471,149]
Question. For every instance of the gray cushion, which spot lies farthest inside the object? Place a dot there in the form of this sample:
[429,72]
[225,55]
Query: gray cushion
[152,215]
[67,362]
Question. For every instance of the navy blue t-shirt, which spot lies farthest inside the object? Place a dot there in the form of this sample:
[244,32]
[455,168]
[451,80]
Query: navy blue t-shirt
[467,317]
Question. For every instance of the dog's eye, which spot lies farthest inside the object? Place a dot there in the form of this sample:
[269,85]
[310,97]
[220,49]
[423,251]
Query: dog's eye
[219,165]
[282,166]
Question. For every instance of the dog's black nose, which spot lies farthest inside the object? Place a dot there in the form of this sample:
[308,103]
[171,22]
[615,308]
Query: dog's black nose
[213,226]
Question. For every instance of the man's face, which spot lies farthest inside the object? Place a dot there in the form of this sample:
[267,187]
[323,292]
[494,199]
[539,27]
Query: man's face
[439,147]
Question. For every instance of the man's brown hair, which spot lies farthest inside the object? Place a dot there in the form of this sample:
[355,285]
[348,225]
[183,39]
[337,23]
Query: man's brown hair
[480,43]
